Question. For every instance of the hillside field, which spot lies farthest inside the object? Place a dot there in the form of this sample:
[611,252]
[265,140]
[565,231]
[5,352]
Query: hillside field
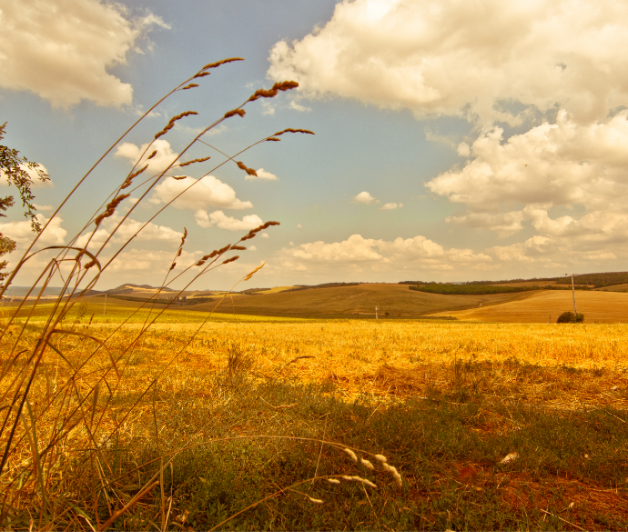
[544,307]
[354,302]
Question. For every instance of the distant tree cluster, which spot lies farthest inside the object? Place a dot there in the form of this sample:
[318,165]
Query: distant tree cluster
[570,317]
[476,289]
[598,280]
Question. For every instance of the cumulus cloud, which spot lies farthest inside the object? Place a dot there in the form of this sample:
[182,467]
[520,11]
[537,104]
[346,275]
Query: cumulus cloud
[562,164]
[22,232]
[262,174]
[391,206]
[61,49]
[298,107]
[451,57]
[220,219]
[152,232]
[148,261]
[383,255]
[509,185]
[164,157]
[366,198]
[208,191]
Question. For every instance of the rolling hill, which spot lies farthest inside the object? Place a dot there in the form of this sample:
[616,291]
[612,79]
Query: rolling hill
[393,301]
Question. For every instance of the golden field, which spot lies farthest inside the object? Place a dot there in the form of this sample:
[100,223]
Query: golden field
[176,387]
[385,359]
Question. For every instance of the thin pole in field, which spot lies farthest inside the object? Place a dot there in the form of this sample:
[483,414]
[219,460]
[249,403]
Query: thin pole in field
[376,315]
[104,312]
[573,293]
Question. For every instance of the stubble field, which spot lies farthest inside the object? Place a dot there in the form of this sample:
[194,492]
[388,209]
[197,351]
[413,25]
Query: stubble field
[193,423]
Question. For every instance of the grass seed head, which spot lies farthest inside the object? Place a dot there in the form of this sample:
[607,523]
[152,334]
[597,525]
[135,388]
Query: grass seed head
[333,481]
[221,62]
[110,209]
[381,458]
[239,112]
[351,454]
[367,464]
[243,166]
[201,160]
[364,481]
[251,274]
[317,501]
[292,130]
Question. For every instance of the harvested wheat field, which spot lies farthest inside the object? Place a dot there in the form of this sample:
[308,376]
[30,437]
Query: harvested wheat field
[544,307]
[235,411]
[385,361]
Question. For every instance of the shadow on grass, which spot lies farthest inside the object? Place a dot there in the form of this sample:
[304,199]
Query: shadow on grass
[571,469]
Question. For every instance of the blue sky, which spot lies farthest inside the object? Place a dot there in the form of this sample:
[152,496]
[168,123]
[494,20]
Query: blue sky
[454,140]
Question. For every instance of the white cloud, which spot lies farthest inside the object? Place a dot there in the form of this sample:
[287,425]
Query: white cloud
[298,107]
[43,207]
[381,255]
[391,206]
[299,226]
[205,192]
[463,149]
[505,223]
[164,157]
[61,49]
[22,233]
[366,198]
[562,164]
[150,262]
[262,174]
[268,108]
[265,235]
[220,219]
[438,56]
[152,232]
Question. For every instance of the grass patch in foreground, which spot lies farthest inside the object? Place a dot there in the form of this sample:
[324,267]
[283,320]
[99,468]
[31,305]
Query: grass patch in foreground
[571,469]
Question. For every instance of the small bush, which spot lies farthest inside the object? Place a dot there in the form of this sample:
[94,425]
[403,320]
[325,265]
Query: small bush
[570,317]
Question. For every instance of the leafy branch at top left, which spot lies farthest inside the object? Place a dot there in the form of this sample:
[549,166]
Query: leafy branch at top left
[17,170]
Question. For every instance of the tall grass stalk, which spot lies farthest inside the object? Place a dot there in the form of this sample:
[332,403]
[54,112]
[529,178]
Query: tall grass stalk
[63,456]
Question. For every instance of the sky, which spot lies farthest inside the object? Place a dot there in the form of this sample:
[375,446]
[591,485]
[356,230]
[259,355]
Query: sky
[454,140]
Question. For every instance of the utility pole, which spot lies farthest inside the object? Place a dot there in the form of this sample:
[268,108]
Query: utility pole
[376,315]
[104,313]
[573,293]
